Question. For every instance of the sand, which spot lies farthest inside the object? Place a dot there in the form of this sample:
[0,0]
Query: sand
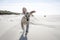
[43,28]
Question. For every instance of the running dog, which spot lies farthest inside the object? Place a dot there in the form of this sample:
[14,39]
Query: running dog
[25,19]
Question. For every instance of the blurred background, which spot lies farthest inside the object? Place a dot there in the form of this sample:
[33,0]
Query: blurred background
[44,25]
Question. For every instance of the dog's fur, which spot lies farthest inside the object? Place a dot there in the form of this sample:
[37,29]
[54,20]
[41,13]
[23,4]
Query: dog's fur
[24,19]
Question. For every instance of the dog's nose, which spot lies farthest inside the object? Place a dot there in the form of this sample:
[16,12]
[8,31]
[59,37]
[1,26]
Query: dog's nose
[27,19]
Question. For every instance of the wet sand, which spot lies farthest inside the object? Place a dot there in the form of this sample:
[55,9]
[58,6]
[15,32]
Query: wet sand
[44,29]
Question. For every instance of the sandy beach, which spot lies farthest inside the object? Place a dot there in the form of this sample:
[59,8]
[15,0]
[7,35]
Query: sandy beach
[43,28]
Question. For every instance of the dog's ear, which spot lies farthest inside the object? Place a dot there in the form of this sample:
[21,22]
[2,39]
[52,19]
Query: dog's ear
[32,12]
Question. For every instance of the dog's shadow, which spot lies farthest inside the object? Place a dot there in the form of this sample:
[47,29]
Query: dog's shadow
[23,37]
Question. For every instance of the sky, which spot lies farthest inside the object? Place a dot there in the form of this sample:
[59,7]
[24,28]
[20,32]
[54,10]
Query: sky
[42,7]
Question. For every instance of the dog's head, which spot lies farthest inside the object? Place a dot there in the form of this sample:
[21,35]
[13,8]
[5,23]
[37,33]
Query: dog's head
[27,15]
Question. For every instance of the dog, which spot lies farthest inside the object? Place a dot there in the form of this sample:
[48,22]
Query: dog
[25,20]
